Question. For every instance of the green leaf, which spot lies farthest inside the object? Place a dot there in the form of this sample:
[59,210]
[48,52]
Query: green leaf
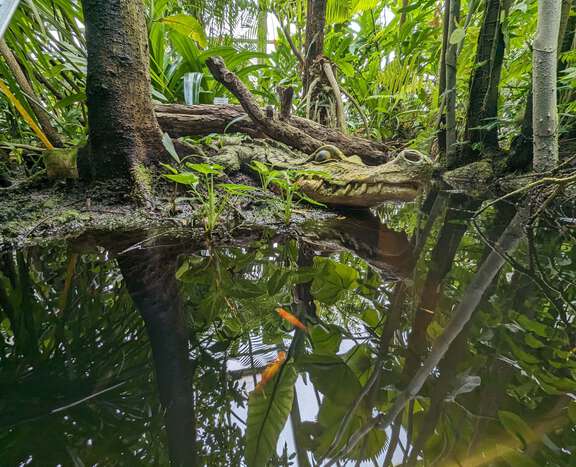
[183,178]
[517,427]
[534,326]
[325,340]
[572,411]
[206,169]
[169,146]
[187,26]
[267,414]
[243,288]
[169,167]
[278,279]
[331,376]
[332,280]
[260,167]
[457,36]
[371,317]
[71,99]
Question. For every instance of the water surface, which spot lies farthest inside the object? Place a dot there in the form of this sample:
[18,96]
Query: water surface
[145,348]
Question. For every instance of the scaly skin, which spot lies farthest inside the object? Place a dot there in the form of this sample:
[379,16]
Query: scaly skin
[342,180]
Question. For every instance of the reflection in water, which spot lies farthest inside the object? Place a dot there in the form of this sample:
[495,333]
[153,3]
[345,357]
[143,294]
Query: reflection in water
[422,346]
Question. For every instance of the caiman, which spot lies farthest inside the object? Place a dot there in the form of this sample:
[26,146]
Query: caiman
[331,177]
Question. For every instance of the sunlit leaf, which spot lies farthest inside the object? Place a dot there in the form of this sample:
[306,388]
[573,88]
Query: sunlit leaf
[268,411]
[187,26]
[183,178]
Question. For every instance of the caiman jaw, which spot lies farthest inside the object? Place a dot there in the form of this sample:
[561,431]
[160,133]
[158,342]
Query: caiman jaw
[354,194]
[355,184]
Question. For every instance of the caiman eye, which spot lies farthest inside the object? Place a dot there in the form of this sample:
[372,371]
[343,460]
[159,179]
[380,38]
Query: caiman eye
[322,155]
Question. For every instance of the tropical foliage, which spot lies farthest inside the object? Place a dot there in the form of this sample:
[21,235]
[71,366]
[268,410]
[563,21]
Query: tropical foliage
[387,55]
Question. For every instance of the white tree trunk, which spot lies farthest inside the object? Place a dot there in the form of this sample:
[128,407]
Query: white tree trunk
[545,59]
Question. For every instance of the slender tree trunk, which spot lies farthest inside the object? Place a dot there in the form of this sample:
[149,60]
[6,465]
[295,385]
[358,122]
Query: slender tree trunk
[521,153]
[481,127]
[442,80]
[314,45]
[262,28]
[124,136]
[41,113]
[451,59]
[545,112]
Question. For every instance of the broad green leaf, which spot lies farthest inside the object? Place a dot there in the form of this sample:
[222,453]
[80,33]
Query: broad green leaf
[243,288]
[330,418]
[206,169]
[332,280]
[183,178]
[331,376]
[71,99]
[325,340]
[268,411]
[530,325]
[187,26]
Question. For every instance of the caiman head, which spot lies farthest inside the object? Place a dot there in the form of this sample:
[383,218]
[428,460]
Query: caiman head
[347,181]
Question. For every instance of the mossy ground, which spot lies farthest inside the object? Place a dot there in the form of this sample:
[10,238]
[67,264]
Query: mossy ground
[49,210]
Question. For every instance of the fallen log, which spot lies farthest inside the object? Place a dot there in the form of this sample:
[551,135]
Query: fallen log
[201,120]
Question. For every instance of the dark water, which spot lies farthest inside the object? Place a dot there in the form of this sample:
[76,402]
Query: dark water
[142,349]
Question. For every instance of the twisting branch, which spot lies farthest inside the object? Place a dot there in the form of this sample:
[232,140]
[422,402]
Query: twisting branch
[282,132]
[327,67]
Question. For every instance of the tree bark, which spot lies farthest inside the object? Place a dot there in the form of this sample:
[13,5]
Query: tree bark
[450,93]
[481,128]
[545,60]
[314,45]
[521,154]
[201,120]
[41,113]
[442,80]
[124,135]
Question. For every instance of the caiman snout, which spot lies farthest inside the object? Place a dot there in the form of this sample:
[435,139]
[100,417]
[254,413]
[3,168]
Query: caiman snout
[349,182]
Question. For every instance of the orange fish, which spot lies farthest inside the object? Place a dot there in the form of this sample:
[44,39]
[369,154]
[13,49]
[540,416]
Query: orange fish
[291,319]
[270,371]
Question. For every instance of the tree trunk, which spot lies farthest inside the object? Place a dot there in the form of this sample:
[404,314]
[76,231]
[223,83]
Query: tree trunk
[41,113]
[442,80]
[545,113]
[124,135]
[262,29]
[314,46]
[521,153]
[481,127]
[450,93]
